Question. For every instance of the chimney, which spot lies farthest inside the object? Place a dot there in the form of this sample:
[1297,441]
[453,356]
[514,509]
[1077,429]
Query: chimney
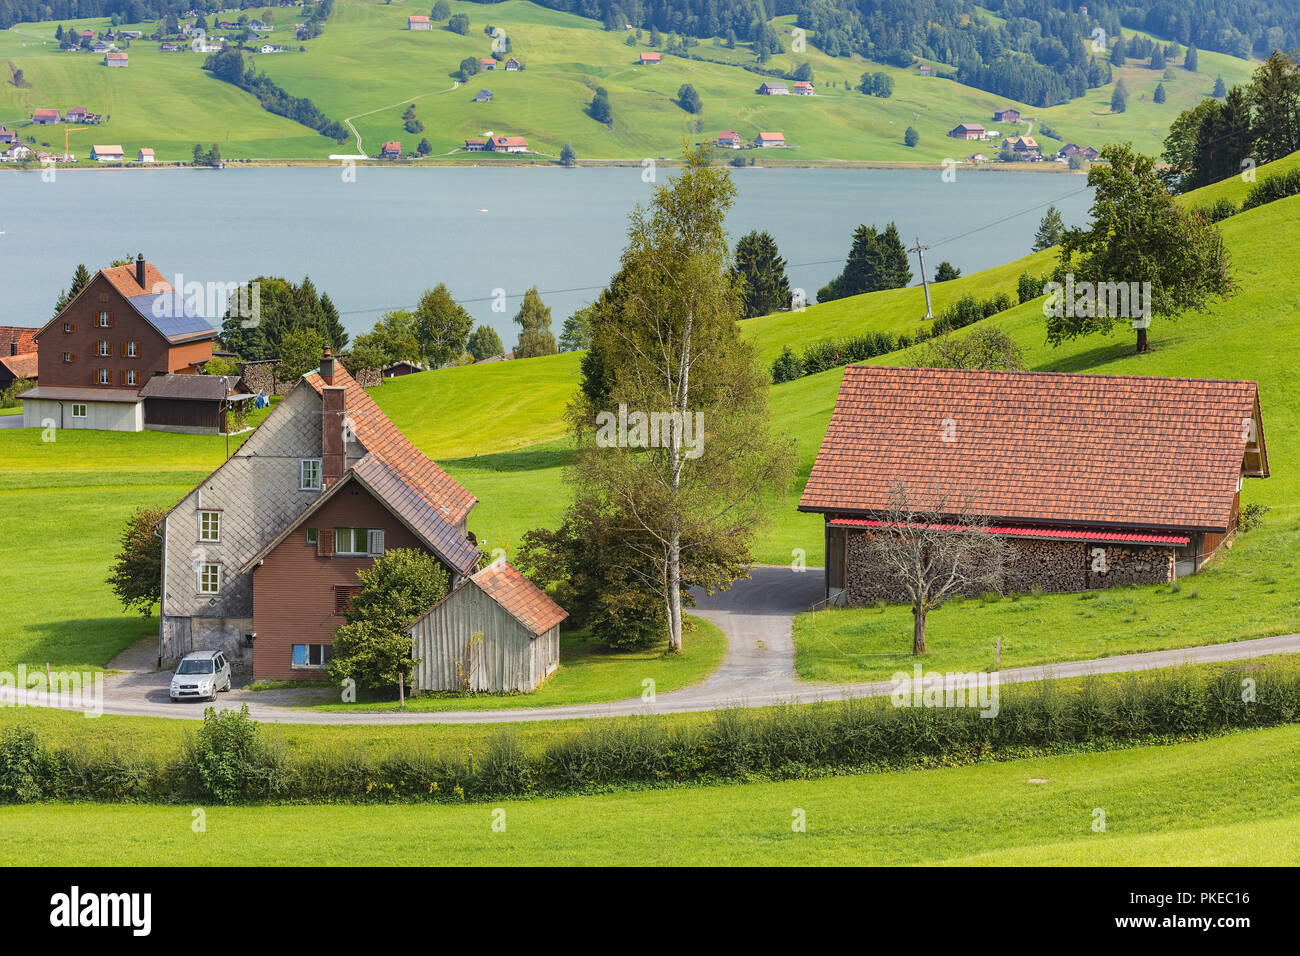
[139,270]
[333,414]
[327,366]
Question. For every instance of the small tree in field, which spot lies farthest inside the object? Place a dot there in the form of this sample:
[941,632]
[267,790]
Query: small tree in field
[136,575]
[934,551]
[373,648]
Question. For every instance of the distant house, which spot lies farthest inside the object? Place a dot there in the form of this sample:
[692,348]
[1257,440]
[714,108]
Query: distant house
[146,155]
[483,96]
[77,114]
[102,47]
[418,23]
[925,70]
[772,88]
[116,59]
[399,369]
[803,88]
[169,48]
[391,150]
[270,48]
[106,154]
[767,140]
[18,340]
[487,63]
[977,158]
[508,144]
[88,34]
[651,58]
[1006,116]
[15,367]
[258,25]
[7,136]
[130,34]
[729,139]
[967,131]
[476,145]
[1025,146]
[513,66]
[1090,154]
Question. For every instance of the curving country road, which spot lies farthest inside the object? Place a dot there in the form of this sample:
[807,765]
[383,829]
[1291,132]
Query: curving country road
[757,671]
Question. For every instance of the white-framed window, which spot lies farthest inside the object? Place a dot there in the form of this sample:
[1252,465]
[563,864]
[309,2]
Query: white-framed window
[309,476]
[69,357]
[313,537]
[69,327]
[105,347]
[209,525]
[104,320]
[209,578]
[132,349]
[78,410]
[105,377]
[358,541]
[312,655]
[130,376]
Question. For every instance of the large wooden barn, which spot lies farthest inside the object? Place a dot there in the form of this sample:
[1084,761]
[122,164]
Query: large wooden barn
[1093,480]
[496,632]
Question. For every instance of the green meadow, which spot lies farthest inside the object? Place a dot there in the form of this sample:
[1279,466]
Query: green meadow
[367,68]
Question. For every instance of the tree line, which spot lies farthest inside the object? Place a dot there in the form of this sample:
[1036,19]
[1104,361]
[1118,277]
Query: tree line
[228,65]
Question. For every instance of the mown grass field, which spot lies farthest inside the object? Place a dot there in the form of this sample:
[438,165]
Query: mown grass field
[1232,800]
[368,66]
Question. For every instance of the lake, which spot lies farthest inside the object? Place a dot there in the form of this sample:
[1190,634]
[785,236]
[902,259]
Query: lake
[376,243]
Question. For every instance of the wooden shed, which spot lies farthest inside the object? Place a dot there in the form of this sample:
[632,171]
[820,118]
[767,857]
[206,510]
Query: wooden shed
[496,632]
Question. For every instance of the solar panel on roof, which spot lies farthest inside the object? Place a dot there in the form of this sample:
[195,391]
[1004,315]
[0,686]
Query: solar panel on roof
[171,313]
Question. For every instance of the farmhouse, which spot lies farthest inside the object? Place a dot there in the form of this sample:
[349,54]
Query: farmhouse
[508,144]
[483,96]
[513,66]
[418,23]
[496,632]
[391,150]
[773,88]
[270,48]
[16,367]
[476,145]
[967,131]
[729,139]
[125,326]
[487,63]
[1093,480]
[320,489]
[650,58]
[78,114]
[145,155]
[8,135]
[106,154]
[767,140]
[116,59]
[14,152]
[400,369]
[1006,116]
[803,88]
[925,69]
[45,117]
[1024,146]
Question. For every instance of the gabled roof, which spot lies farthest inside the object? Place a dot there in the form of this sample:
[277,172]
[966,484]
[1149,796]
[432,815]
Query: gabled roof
[22,365]
[210,388]
[122,278]
[728,134]
[771,136]
[20,335]
[1044,448]
[45,114]
[174,316]
[517,596]
[384,440]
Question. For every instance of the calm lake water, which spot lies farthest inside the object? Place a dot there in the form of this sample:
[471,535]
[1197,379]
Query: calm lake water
[376,243]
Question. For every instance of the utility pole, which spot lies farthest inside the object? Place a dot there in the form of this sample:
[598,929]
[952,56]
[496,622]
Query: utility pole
[925,283]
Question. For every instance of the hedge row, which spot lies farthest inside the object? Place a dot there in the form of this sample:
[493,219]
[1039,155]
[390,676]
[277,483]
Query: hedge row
[229,761]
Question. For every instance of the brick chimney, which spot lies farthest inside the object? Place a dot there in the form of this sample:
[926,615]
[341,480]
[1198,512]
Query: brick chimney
[139,270]
[327,366]
[333,415]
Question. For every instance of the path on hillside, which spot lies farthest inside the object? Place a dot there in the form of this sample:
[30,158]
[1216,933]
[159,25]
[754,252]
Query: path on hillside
[411,99]
[757,671]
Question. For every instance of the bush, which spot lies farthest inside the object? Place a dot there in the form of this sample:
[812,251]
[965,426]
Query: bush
[22,766]
[1030,287]
[1218,211]
[787,366]
[1252,516]
[228,761]
[1272,188]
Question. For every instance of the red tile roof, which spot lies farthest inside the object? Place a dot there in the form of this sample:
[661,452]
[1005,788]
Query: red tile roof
[19,335]
[45,114]
[651,57]
[392,145]
[122,278]
[385,441]
[1100,535]
[22,365]
[1040,447]
[519,597]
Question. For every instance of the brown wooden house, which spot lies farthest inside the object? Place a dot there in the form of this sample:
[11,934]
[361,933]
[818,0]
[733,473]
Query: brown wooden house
[1094,480]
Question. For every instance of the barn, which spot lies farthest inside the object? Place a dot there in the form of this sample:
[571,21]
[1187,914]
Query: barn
[195,404]
[1092,480]
[496,632]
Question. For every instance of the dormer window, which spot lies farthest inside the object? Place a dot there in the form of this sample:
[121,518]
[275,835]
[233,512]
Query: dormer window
[309,476]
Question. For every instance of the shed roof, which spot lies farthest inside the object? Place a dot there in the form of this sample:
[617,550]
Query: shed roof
[515,594]
[199,388]
[1117,451]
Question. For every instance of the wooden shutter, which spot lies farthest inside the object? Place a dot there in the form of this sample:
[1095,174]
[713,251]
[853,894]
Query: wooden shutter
[343,595]
[110,320]
[324,542]
[375,545]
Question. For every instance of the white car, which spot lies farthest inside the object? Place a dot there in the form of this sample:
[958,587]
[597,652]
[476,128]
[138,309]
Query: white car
[201,675]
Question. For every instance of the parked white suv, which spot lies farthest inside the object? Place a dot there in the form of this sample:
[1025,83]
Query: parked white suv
[202,674]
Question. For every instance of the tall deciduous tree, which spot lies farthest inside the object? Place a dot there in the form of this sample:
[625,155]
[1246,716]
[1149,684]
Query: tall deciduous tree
[576,333]
[534,321]
[442,325]
[1139,234]
[484,343]
[764,287]
[690,478]
[136,575]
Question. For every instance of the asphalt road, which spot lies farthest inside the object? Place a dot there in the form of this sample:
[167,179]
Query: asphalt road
[757,671]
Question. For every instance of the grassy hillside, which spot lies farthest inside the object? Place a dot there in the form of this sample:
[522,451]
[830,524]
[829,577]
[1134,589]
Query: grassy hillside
[1232,801]
[368,67]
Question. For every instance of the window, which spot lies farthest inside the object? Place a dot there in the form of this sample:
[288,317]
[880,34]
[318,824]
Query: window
[358,541]
[132,349]
[78,411]
[343,595]
[209,578]
[209,525]
[105,347]
[312,655]
[104,320]
[310,474]
[69,357]
[128,377]
[105,377]
[69,327]
[313,537]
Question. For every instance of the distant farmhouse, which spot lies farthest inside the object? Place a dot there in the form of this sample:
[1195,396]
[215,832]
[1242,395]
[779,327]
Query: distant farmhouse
[803,88]
[44,117]
[967,131]
[1006,116]
[1025,147]
[773,88]
[487,63]
[146,155]
[513,66]
[650,58]
[116,59]
[483,96]
[391,150]
[730,139]
[418,23]
[106,154]
[1070,150]
[769,140]
[476,145]
[508,144]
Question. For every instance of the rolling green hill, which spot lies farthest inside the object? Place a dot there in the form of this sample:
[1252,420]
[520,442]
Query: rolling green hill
[367,68]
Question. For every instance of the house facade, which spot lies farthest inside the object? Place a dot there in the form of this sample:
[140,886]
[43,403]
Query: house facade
[730,139]
[1006,116]
[391,150]
[124,327]
[769,140]
[107,154]
[508,144]
[967,131]
[1092,480]
[773,88]
[418,23]
[260,559]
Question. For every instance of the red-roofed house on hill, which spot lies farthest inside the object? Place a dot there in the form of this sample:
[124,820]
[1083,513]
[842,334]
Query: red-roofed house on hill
[508,144]
[15,368]
[650,58]
[1094,480]
[418,23]
[730,139]
[519,627]
[125,326]
[45,117]
[767,140]
[391,150]
[116,58]
[261,557]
